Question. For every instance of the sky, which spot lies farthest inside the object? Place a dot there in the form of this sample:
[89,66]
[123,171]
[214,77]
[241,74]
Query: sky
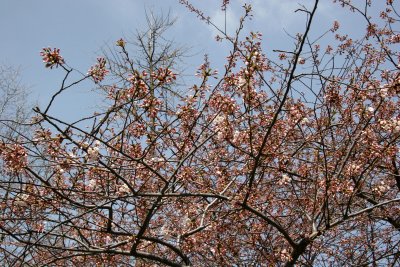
[82,28]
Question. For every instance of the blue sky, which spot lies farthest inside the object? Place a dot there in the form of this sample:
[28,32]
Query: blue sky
[81,28]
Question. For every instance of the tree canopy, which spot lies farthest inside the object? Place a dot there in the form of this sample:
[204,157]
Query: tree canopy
[280,158]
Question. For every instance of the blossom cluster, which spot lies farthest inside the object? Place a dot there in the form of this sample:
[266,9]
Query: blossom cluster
[98,71]
[285,179]
[388,125]
[380,188]
[394,39]
[14,157]
[205,70]
[138,86]
[164,75]
[93,152]
[335,26]
[51,57]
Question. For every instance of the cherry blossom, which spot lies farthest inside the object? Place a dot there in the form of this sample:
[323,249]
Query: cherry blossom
[51,57]
[267,162]
[98,71]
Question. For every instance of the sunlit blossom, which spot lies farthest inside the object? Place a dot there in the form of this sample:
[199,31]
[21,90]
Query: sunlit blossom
[98,71]
[52,57]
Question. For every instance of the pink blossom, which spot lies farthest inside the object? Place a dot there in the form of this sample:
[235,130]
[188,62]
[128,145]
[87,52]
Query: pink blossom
[98,71]
[301,61]
[14,157]
[335,26]
[52,57]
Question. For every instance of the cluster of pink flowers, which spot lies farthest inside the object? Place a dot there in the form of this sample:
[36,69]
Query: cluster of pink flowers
[204,70]
[394,39]
[224,5]
[98,71]
[139,88]
[52,57]
[164,75]
[14,156]
[335,26]
[301,61]
[282,56]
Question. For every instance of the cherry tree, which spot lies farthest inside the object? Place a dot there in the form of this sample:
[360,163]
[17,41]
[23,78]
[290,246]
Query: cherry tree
[281,158]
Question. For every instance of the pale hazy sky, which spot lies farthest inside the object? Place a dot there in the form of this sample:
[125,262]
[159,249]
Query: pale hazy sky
[80,28]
